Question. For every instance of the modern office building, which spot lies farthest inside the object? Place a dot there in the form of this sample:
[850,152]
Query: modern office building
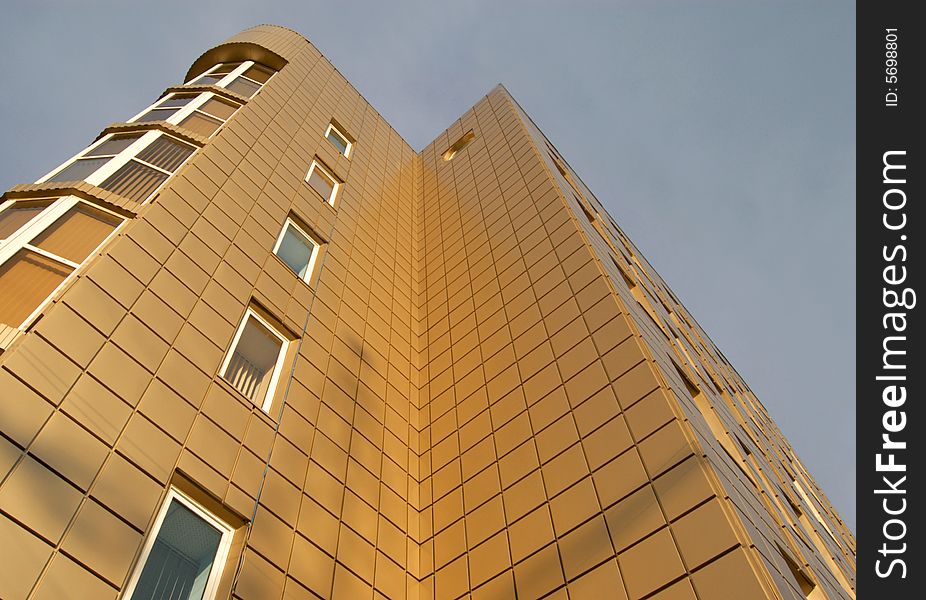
[254,345]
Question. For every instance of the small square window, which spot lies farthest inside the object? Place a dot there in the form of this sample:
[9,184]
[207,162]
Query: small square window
[338,140]
[297,249]
[185,555]
[322,182]
[254,363]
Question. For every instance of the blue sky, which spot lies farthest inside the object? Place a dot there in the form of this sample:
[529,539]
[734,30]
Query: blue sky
[719,134]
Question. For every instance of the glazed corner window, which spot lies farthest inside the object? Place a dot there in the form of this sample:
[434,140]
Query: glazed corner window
[323,182]
[245,78]
[255,360]
[208,116]
[185,554]
[249,83]
[132,165]
[297,249]
[200,113]
[43,243]
[216,74]
[90,162]
[166,108]
[339,140]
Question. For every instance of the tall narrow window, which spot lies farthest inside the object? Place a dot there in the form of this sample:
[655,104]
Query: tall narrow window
[323,182]
[45,251]
[255,360]
[338,140]
[184,557]
[297,249]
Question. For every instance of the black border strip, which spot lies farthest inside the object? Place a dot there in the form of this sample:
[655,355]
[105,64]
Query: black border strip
[889,272]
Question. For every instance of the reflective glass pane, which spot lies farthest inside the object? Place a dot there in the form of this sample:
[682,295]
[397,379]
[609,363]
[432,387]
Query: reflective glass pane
[135,181]
[202,124]
[222,109]
[79,169]
[114,145]
[18,215]
[295,250]
[26,280]
[177,100]
[157,114]
[207,80]
[166,153]
[337,141]
[259,73]
[245,87]
[321,183]
[255,356]
[181,558]
[77,233]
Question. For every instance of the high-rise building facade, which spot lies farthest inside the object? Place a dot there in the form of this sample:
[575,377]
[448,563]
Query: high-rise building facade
[254,345]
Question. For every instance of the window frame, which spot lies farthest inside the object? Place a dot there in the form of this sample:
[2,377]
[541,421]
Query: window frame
[121,159]
[234,74]
[317,164]
[8,204]
[267,402]
[337,130]
[316,248]
[194,105]
[21,238]
[221,553]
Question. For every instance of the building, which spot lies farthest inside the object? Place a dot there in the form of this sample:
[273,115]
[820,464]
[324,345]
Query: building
[255,345]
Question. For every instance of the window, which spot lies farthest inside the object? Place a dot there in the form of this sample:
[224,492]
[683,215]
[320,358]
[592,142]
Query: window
[459,145]
[184,557]
[254,363]
[132,165]
[165,109]
[297,249]
[338,140]
[245,78]
[96,157]
[45,242]
[200,113]
[249,83]
[144,173]
[216,74]
[323,182]
[17,214]
[208,116]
